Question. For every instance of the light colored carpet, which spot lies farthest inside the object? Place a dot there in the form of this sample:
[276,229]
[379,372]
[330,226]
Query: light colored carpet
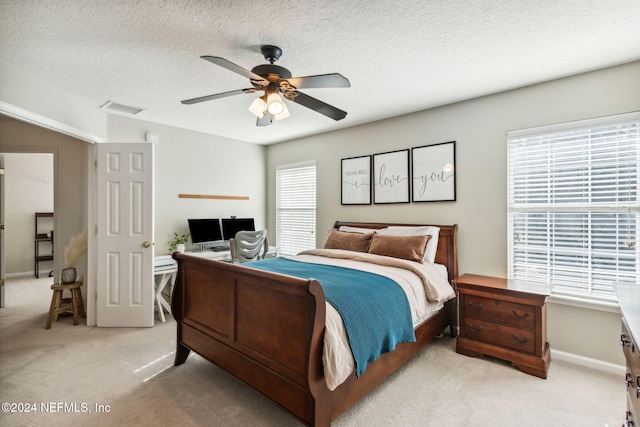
[129,371]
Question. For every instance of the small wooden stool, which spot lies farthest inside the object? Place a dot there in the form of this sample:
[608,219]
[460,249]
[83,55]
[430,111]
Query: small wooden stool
[73,305]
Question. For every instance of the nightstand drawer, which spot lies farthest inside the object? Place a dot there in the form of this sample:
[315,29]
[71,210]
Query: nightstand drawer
[632,374]
[523,340]
[520,315]
[629,347]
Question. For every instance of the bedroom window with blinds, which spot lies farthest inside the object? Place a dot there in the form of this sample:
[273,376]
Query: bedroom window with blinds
[573,205]
[296,208]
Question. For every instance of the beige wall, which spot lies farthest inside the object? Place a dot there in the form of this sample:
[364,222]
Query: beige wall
[70,180]
[479,128]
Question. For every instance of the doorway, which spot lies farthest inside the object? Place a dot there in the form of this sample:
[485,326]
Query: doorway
[26,187]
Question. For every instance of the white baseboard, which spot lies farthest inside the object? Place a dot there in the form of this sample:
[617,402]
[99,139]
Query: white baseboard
[23,274]
[43,273]
[588,362]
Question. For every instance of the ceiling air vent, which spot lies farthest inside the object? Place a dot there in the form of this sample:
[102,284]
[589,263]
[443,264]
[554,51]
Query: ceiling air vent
[121,108]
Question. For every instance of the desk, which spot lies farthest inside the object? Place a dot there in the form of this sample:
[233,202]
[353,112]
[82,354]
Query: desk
[208,253]
[164,270]
[225,255]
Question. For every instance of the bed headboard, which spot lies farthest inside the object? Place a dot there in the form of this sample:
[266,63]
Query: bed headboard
[447,253]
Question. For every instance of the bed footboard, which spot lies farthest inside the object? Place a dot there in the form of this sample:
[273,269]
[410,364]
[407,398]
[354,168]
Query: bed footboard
[264,328]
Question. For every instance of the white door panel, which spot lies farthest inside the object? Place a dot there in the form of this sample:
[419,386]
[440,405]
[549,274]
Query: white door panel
[125,230]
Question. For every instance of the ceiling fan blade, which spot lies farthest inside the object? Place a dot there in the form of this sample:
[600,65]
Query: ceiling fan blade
[319,81]
[216,96]
[266,120]
[235,68]
[319,106]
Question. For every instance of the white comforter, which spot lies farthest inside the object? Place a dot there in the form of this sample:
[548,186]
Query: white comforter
[426,286]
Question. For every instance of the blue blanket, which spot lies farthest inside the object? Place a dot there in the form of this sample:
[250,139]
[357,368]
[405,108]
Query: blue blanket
[374,308]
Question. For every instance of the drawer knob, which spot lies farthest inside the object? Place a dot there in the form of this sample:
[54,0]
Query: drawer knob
[475,307]
[626,342]
[628,422]
[518,340]
[520,316]
[479,329]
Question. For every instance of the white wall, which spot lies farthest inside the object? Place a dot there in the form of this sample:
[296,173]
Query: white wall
[28,189]
[188,162]
[479,128]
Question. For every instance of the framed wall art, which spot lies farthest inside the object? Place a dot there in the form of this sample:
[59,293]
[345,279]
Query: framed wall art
[433,171]
[356,180]
[391,177]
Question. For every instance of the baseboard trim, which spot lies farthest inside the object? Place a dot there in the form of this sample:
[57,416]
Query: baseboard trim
[23,274]
[588,362]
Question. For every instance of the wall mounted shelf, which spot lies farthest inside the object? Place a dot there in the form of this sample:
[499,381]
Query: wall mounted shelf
[40,238]
[209,196]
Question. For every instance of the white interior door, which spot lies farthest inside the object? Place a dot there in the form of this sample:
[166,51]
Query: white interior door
[124,282]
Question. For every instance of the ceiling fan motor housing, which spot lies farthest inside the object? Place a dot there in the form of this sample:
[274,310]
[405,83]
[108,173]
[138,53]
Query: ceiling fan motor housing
[266,69]
[271,53]
[270,72]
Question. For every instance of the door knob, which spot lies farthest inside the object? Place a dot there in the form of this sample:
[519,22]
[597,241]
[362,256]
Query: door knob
[146,244]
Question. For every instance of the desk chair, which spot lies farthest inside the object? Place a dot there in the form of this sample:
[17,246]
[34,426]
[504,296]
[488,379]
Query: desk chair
[249,246]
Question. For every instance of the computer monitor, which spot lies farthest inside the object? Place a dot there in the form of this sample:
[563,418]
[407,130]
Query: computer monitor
[230,226]
[205,231]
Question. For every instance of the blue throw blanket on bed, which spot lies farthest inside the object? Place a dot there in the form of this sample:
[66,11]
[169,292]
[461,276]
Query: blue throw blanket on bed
[374,308]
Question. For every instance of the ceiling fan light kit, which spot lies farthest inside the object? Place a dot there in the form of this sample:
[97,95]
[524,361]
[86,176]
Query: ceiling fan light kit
[258,107]
[276,82]
[275,104]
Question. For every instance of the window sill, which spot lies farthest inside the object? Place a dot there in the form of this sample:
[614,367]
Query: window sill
[574,301]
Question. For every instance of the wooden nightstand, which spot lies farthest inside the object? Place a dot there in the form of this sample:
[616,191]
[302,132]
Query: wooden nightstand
[506,319]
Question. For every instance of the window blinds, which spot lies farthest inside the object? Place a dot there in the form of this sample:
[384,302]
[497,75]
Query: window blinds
[296,208]
[573,205]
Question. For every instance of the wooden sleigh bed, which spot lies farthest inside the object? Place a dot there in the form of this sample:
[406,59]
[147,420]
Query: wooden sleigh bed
[267,330]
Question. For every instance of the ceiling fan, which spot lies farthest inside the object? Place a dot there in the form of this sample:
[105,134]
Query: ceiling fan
[276,82]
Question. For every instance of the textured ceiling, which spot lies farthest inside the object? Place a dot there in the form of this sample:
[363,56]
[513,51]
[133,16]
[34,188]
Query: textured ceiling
[399,55]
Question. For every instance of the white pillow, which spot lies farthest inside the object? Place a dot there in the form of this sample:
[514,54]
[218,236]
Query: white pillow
[361,230]
[432,246]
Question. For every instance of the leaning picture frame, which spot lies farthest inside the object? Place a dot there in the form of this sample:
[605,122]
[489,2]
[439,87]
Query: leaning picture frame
[391,177]
[356,180]
[433,172]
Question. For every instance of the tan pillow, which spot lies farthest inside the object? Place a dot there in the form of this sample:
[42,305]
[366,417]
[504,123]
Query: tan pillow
[357,242]
[405,247]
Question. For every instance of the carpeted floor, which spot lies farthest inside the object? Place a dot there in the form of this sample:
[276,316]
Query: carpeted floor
[79,376]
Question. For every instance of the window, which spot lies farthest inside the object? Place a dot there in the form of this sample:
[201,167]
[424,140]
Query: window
[573,205]
[296,208]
